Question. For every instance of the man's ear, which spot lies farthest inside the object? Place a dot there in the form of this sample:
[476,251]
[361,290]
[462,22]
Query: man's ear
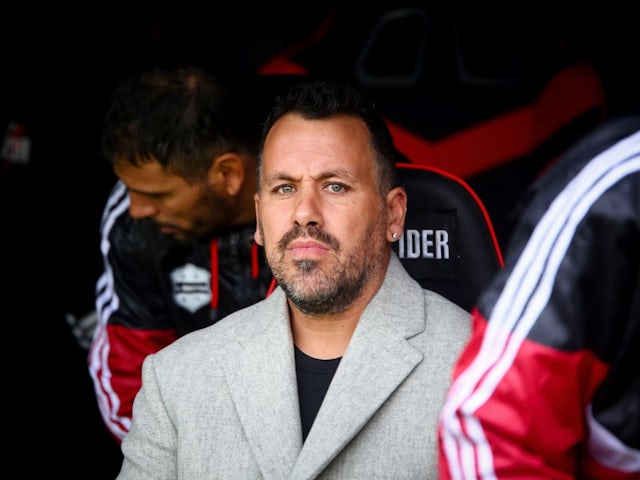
[227,174]
[397,211]
[257,236]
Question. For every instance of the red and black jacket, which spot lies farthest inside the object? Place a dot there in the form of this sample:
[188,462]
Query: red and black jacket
[549,384]
[153,290]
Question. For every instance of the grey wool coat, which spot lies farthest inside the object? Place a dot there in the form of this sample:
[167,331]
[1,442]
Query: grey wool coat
[222,402]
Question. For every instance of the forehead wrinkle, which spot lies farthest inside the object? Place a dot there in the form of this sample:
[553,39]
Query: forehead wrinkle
[296,148]
[337,173]
[302,153]
[277,176]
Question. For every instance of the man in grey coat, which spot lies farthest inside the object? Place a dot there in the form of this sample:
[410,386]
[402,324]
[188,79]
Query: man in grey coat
[342,371]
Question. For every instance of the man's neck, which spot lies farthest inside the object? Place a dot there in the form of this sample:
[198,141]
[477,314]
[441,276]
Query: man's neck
[325,336]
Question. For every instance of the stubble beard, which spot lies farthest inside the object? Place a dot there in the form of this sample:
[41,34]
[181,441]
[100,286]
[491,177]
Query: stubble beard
[209,214]
[315,291]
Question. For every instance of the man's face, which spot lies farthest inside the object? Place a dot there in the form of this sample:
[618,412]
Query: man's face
[321,219]
[180,209]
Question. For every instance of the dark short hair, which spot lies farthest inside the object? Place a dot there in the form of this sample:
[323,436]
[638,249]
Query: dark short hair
[323,99]
[182,118]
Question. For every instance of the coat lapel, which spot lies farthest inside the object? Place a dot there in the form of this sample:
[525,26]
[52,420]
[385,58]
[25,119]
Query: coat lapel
[262,380]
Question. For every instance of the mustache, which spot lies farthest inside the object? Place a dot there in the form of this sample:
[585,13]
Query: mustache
[310,231]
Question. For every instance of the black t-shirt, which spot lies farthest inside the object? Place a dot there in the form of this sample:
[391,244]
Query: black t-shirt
[314,377]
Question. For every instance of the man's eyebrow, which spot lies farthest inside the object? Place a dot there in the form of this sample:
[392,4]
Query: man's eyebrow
[335,173]
[278,176]
[154,193]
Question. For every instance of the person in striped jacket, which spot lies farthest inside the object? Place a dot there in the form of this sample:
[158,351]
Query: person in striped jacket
[177,229]
[548,386]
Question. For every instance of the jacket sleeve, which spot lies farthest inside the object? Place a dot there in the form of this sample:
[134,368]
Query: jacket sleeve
[133,318]
[548,385]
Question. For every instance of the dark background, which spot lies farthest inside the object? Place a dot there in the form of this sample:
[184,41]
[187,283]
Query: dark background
[59,64]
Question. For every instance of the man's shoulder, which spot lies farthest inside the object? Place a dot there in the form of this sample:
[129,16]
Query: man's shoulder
[247,321]
[446,319]
[442,305]
[134,238]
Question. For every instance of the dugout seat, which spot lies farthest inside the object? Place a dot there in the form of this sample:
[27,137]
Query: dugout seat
[449,244]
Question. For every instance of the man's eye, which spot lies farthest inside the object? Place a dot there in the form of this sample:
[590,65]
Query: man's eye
[336,187]
[285,189]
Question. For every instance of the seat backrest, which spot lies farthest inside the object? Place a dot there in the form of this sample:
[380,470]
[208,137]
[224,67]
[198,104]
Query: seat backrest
[449,244]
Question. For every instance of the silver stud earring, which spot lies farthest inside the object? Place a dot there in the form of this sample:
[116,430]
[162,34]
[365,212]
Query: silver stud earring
[394,235]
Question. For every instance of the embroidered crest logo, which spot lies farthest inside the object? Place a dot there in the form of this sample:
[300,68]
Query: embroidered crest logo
[191,287]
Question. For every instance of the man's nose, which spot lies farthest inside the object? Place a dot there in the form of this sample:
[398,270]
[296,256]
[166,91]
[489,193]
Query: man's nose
[308,207]
[141,207]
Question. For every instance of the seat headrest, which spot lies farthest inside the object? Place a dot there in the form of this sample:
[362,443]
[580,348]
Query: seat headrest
[448,244]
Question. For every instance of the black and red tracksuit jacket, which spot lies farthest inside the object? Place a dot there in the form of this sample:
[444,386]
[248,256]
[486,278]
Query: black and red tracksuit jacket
[153,290]
[548,386]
